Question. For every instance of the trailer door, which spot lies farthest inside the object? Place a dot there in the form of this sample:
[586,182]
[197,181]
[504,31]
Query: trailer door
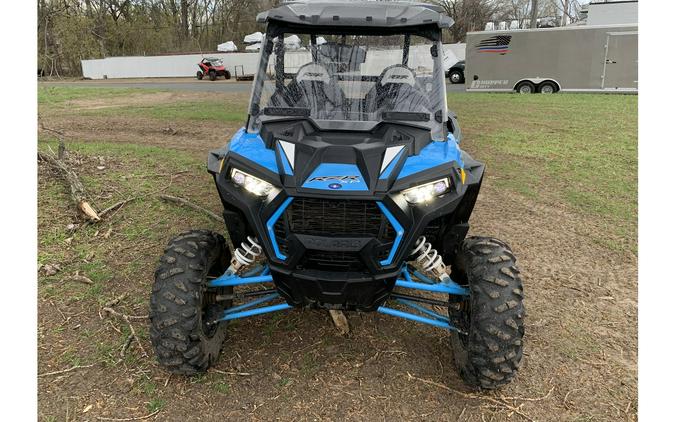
[621,61]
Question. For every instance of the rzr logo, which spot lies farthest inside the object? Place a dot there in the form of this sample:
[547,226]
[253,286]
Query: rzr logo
[343,179]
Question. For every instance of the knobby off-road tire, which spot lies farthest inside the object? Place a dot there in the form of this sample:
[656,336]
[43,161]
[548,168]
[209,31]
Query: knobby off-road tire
[200,75]
[212,75]
[181,304]
[489,350]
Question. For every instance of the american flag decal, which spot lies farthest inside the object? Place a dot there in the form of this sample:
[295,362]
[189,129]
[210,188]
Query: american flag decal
[497,44]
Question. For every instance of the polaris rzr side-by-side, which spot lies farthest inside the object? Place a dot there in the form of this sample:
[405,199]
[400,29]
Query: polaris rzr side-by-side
[346,189]
[212,67]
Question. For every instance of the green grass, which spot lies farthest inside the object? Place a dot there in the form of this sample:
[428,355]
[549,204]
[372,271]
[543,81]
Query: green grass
[200,111]
[156,404]
[578,149]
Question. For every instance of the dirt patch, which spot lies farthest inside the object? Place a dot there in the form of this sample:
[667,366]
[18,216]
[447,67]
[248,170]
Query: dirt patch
[581,325]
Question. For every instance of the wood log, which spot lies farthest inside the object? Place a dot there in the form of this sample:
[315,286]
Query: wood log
[77,193]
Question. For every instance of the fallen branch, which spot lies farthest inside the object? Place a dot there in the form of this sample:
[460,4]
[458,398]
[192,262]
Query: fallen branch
[116,205]
[59,134]
[494,401]
[241,374]
[182,201]
[76,187]
[63,371]
[102,418]
[79,278]
[107,309]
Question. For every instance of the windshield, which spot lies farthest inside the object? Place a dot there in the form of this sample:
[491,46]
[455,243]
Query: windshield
[349,78]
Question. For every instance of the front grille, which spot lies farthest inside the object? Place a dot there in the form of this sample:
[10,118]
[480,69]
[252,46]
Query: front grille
[338,218]
[334,218]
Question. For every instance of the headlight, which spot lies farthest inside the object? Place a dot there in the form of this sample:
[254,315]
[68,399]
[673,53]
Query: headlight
[426,192]
[252,184]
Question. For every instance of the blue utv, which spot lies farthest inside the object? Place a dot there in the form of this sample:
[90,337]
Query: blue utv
[345,190]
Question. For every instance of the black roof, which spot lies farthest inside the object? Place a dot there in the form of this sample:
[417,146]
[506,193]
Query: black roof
[381,14]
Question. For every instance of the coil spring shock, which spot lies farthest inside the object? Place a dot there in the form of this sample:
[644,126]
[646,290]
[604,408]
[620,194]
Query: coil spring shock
[428,259]
[246,254]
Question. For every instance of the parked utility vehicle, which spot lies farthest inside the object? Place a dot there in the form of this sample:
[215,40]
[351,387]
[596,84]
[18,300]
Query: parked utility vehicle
[213,68]
[346,189]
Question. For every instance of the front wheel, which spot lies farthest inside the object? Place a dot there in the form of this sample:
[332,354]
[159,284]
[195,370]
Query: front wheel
[212,75]
[489,344]
[200,75]
[183,307]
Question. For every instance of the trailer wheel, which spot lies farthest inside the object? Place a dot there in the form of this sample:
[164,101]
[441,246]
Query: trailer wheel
[200,75]
[547,87]
[525,87]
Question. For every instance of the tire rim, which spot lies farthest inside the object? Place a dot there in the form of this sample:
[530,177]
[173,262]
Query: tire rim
[525,89]
[454,77]
[547,89]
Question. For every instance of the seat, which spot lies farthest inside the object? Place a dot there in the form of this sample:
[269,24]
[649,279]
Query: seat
[313,88]
[396,90]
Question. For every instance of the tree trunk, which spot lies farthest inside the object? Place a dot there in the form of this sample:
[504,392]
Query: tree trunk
[533,16]
[566,10]
[184,19]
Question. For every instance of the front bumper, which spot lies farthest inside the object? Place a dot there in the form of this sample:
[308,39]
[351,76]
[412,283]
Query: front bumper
[336,250]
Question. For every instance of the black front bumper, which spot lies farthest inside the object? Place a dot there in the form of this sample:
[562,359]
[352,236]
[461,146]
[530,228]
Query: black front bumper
[341,251]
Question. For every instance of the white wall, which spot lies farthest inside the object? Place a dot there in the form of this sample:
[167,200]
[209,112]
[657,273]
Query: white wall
[186,65]
[162,66]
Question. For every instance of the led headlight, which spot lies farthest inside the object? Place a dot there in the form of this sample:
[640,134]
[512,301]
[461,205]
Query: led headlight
[252,184]
[426,192]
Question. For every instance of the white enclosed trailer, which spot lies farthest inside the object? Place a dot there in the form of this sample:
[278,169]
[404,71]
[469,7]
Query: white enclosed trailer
[572,58]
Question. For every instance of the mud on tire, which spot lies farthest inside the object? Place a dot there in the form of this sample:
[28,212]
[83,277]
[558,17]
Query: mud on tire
[181,305]
[489,350]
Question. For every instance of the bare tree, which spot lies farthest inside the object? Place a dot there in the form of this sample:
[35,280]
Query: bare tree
[469,15]
[533,16]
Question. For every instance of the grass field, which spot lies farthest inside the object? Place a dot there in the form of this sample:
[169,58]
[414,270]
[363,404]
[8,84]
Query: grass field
[561,187]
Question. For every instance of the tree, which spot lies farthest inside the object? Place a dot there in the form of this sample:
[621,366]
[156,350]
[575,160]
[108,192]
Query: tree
[469,15]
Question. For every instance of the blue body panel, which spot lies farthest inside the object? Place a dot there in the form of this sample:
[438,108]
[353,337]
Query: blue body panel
[270,227]
[336,170]
[252,147]
[434,154]
[399,233]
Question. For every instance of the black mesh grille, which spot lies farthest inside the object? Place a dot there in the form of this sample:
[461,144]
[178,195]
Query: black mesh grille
[334,218]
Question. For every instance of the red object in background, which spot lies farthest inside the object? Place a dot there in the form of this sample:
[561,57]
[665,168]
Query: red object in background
[213,68]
